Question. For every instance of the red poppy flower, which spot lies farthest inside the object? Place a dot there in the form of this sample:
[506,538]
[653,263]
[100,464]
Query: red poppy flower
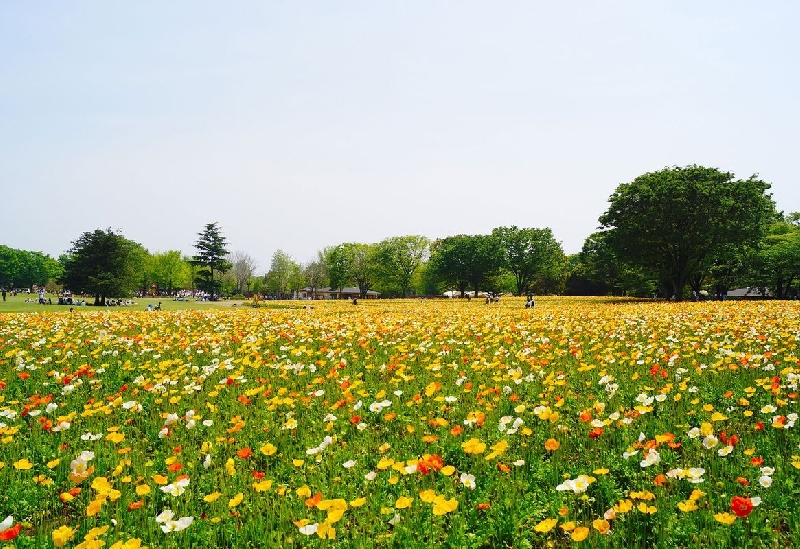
[740,506]
[11,533]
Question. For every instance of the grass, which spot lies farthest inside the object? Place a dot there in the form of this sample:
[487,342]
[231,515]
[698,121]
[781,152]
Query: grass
[17,304]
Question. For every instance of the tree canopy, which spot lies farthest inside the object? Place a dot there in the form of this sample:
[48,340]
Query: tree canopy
[397,259]
[315,273]
[22,269]
[169,271]
[466,261]
[284,275]
[363,266]
[777,263]
[675,220]
[530,255]
[337,265]
[103,264]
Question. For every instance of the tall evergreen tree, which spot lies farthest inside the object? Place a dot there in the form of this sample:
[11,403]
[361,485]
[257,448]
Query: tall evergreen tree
[210,260]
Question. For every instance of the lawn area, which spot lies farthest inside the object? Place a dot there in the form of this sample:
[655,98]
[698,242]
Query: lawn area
[18,304]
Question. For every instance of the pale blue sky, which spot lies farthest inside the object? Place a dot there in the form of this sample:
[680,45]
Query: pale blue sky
[298,125]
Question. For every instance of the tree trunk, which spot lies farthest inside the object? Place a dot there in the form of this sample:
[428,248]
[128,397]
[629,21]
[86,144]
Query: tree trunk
[520,285]
[678,283]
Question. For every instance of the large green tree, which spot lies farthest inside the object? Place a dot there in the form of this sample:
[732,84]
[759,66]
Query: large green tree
[531,255]
[351,263]
[397,259]
[337,265]
[211,259]
[315,273]
[466,262]
[169,271]
[282,274]
[673,221]
[104,264]
[363,266]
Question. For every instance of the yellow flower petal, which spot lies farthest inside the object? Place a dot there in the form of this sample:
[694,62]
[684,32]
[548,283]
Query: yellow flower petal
[403,502]
[725,518]
[236,500]
[23,464]
[358,502]
[579,533]
[268,449]
[546,525]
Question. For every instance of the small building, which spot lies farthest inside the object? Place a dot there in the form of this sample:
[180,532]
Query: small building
[348,292]
[749,293]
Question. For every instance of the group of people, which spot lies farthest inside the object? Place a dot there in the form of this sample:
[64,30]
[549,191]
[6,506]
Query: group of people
[69,300]
[119,302]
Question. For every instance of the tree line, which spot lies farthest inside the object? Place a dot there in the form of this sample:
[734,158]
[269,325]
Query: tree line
[676,232]
[23,269]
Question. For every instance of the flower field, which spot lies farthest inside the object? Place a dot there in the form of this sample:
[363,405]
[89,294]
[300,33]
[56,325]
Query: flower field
[403,424]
